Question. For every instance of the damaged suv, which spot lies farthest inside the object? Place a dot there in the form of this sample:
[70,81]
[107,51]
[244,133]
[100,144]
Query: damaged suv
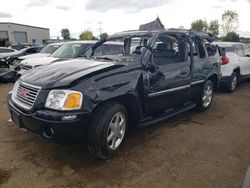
[159,74]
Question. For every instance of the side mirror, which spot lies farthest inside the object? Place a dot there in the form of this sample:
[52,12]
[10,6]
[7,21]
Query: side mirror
[247,55]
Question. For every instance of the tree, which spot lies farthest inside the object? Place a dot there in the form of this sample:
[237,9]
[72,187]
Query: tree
[213,27]
[199,25]
[86,35]
[95,38]
[181,27]
[65,34]
[104,35]
[230,21]
[232,37]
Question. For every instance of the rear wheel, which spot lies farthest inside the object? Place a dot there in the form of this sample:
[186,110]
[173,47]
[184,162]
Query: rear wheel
[107,130]
[231,85]
[206,98]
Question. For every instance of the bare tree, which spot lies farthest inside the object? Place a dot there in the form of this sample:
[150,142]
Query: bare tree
[230,21]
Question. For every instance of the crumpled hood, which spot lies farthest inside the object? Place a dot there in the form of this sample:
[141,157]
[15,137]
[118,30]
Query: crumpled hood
[36,55]
[61,74]
[38,61]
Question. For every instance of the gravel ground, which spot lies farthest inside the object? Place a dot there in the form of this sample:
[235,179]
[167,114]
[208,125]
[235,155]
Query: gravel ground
[203,150]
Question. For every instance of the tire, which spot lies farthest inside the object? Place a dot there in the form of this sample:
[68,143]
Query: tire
[107,132]
[206,98]
[231,85]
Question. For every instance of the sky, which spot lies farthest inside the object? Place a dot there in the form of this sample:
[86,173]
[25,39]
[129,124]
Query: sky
[118,15]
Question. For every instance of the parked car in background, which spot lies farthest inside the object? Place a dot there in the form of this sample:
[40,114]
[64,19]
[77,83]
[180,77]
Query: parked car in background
[19,46]
[235,65]
[10,60]
[96,98]
[13,57]
[69,50]
[6,51]
[45,52]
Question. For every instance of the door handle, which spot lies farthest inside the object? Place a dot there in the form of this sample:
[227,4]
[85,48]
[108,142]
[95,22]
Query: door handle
[183,73]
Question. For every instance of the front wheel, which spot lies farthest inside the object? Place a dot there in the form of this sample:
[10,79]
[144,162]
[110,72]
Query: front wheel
[206,98]
[107,130]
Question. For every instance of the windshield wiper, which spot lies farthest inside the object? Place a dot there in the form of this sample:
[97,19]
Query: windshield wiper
[105,58]
[85,56]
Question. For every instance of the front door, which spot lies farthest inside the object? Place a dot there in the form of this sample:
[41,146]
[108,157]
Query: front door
[170,81]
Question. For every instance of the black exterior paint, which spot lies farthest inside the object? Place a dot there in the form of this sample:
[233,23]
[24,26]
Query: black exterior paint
[138,85]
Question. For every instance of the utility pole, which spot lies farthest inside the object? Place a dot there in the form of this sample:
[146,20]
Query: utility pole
[100,28]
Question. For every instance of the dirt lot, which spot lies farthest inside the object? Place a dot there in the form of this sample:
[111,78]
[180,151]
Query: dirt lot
[203,150]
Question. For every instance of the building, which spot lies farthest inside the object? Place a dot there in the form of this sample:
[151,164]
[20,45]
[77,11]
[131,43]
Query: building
[13,33]
[154,25]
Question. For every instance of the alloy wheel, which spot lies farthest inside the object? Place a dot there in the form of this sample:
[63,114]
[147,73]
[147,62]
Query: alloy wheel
[234,82]
[207,96]
[116,130]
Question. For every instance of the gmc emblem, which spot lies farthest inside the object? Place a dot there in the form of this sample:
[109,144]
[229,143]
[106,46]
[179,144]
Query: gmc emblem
[23,93]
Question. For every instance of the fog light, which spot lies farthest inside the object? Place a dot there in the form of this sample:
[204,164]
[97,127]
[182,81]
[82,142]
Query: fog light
[67,118]
[49,133]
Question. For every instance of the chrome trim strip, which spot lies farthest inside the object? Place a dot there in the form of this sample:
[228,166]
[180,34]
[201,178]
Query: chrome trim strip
[169,91]
[20,104]
[197,82]
[29,85]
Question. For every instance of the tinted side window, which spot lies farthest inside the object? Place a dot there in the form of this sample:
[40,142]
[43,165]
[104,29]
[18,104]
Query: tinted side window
[6,50]
[32,50]
[239,50]
[230,49]
[245,50]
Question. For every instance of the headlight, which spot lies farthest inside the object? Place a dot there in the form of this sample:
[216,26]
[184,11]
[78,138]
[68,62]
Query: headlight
[64,100]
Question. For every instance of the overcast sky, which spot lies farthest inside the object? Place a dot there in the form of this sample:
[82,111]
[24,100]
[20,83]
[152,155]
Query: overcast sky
[118,15]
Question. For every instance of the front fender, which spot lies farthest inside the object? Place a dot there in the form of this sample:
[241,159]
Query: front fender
[114,84]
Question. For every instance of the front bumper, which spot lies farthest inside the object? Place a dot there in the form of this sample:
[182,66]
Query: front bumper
[49,124]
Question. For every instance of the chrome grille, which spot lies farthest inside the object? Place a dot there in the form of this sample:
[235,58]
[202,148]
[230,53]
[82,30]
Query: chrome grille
[25,94]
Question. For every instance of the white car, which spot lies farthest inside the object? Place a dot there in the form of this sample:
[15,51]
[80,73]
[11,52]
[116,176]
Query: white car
[7,51]
[235,65]
[70,50]
[45,52]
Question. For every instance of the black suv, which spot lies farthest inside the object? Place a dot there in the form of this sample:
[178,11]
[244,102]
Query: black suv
[157,75]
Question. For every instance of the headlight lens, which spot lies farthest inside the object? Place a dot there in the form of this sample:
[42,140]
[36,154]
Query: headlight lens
[64,100]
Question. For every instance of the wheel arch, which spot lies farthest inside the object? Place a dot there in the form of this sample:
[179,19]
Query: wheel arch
[129,101]
[215,79]
[237,70]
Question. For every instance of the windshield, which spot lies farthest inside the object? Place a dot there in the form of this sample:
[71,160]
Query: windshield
[50,48]
[70,50]
[126,48]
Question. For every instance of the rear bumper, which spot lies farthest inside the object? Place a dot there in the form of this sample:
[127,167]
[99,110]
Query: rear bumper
[49,124]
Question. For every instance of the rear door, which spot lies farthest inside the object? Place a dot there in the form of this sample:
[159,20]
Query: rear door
[244,60]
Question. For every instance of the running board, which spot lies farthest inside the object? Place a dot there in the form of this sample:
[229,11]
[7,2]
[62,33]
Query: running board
[166,115]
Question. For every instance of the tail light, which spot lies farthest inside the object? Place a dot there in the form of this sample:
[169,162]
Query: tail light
[224,60]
